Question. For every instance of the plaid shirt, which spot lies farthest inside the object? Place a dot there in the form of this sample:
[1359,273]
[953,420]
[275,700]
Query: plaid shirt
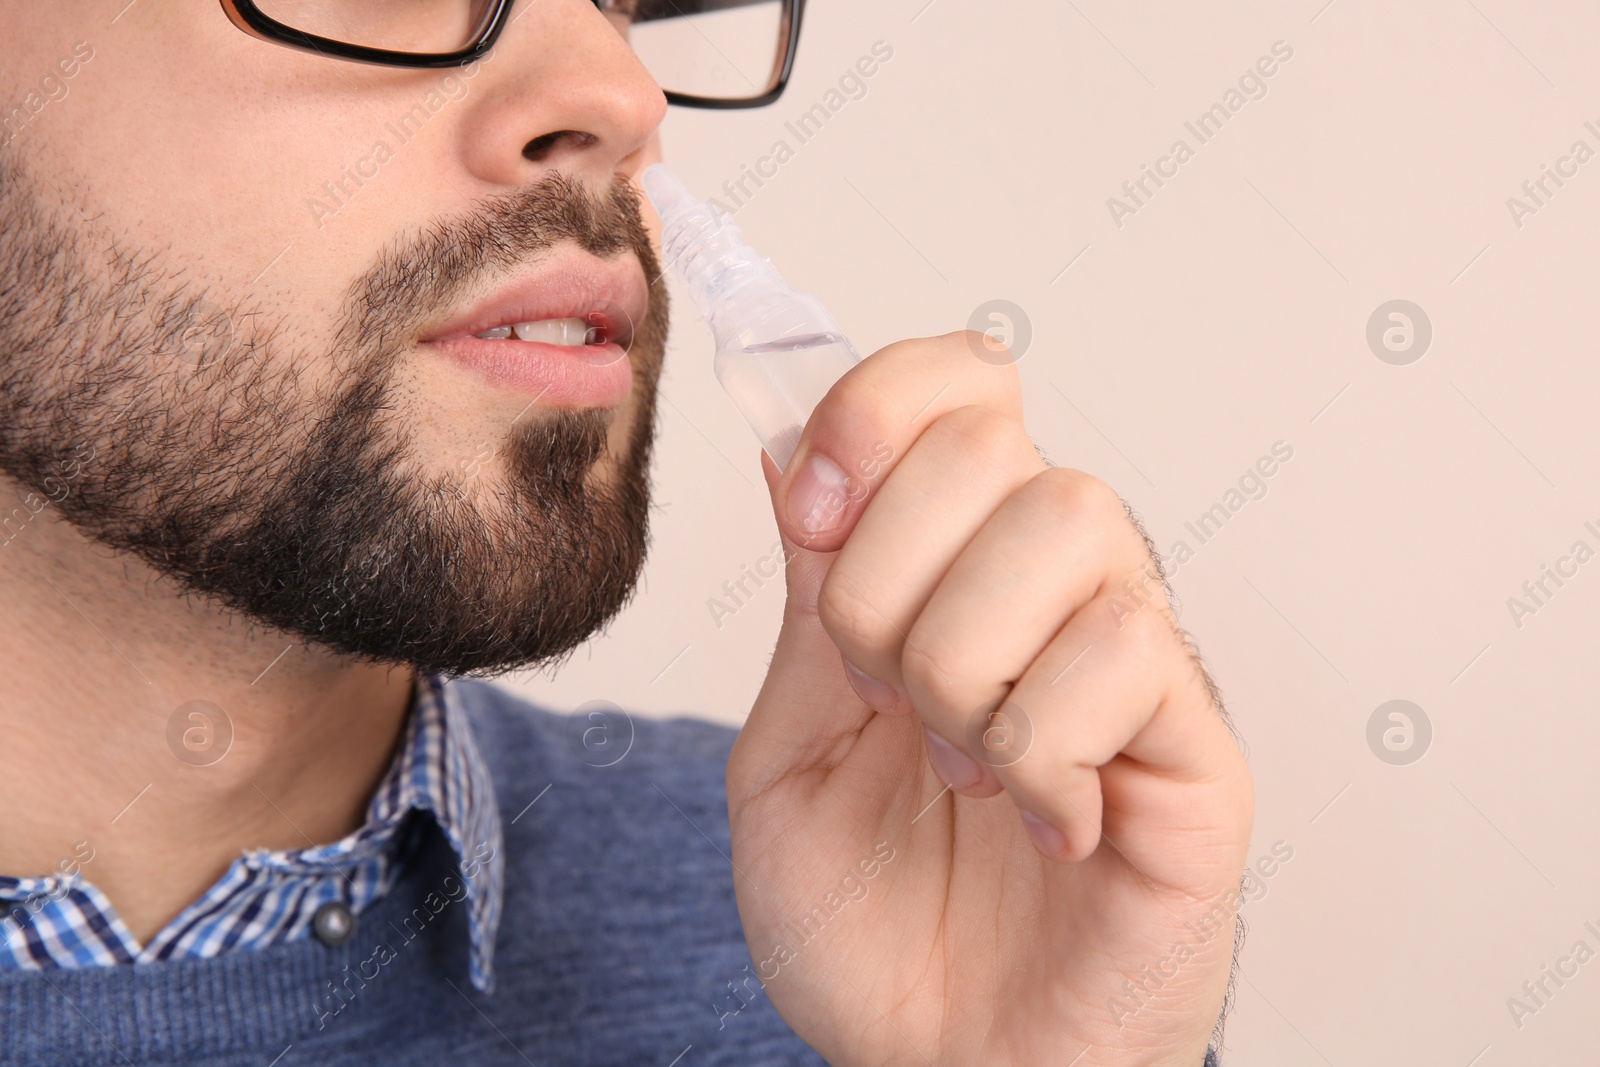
[266,897]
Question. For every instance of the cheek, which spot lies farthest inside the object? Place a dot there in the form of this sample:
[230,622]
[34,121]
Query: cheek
[222,143]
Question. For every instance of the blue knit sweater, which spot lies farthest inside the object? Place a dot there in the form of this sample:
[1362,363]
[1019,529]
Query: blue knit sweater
[617,945]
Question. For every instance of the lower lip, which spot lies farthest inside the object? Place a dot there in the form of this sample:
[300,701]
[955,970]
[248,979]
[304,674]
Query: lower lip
[558,375]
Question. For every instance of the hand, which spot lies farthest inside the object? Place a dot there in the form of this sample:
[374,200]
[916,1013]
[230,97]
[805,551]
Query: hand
[1049,874]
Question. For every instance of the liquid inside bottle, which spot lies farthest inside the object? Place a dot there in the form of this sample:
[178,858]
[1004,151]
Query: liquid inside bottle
[778,351]
[778,383]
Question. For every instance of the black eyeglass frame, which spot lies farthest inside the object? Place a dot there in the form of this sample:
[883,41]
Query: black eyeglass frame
[252,20]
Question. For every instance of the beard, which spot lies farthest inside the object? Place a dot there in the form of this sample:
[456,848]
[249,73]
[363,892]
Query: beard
[204,453]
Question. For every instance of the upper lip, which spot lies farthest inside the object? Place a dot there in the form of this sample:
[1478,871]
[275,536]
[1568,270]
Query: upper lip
[567,285]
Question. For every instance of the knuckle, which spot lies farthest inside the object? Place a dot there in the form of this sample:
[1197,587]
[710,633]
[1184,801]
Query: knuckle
[853,399]
[985,349]
[890,366]
[967,341]
[1073,496]
[946,673]
[1135,623]
[909,348]
[958,340]
[847,615]
[981,430]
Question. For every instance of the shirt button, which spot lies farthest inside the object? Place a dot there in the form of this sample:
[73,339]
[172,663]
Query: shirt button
[333,923]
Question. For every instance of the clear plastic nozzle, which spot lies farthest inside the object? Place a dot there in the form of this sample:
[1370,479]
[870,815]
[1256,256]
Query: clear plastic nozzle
[667,194]
[778,351]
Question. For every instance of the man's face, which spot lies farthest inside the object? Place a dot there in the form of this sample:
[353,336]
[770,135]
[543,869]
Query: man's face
[247,280]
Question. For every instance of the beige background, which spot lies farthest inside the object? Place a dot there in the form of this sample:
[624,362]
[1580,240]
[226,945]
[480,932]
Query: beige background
[1227,314]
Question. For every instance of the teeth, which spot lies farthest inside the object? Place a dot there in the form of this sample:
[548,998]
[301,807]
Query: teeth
[573,333]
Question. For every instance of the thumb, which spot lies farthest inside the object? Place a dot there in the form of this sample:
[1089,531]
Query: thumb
[806,699]
[804,569]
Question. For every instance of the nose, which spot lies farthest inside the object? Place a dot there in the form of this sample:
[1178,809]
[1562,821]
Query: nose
[562,91]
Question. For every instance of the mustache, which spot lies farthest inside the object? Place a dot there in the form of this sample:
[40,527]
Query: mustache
[421,277]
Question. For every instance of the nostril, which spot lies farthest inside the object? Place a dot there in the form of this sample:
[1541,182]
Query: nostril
[539,149]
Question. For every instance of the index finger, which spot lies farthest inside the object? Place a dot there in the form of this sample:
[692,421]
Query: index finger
[872,416]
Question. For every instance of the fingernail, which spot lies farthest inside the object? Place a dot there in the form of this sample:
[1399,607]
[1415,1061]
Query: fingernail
[954,767]
[1046,838]
[817,495]
[873,692]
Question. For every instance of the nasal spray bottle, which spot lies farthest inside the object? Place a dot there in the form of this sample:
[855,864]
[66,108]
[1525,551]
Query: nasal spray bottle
[778,351]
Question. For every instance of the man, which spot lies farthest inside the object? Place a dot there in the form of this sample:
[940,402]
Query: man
[329,339]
